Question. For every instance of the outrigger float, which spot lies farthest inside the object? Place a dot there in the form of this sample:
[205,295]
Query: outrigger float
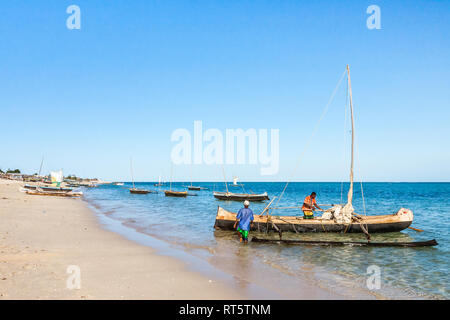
[339,218]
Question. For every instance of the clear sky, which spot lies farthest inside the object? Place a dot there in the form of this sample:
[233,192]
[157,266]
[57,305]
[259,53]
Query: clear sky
[87,100]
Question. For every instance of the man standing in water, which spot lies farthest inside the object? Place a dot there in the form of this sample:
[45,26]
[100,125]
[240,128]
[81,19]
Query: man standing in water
[309,204]
[245,219]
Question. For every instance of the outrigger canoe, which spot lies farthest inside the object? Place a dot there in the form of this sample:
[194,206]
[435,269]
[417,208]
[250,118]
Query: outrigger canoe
[40,192]
[374,224]
[429,243]
[241,196]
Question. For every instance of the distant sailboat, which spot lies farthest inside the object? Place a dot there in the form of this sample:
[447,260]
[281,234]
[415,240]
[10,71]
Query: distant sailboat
[160,183]
[135,190]
[235,182]
[195,188]
[170,192]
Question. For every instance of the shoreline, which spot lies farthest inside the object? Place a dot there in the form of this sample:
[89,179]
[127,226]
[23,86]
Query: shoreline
[40,237]
[44,238]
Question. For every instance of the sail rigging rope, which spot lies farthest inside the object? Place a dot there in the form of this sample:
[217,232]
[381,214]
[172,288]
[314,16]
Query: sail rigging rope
[324,112]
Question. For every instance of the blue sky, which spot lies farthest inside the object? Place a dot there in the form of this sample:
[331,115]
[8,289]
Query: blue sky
[89,99]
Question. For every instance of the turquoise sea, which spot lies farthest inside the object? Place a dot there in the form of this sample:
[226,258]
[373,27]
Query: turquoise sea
[186,224]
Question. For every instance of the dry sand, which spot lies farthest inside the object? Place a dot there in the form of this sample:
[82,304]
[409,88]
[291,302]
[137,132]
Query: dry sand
[40,237]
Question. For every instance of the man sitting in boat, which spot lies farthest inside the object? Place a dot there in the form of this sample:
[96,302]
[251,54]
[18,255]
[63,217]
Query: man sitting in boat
[245,219]
[309,205]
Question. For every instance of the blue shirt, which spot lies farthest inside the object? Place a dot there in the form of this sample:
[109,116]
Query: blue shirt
[245,215]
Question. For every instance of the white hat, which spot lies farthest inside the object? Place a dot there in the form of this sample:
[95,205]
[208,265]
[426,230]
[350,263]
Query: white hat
[246,203]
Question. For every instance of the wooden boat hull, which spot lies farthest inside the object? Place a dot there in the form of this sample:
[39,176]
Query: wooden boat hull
[179,194]
[240,196]
[55,193]
[138,191]
[374,224]
[194,188]
[57,189]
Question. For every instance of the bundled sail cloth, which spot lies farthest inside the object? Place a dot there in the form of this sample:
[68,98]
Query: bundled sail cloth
[56,177]
[343,214]
[339,213]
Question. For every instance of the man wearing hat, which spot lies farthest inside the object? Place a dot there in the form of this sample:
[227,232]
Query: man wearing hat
[245,219]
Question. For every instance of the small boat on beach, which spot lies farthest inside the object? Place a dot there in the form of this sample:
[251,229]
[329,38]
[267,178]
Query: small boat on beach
[44,188]
[41,192]
[240,196]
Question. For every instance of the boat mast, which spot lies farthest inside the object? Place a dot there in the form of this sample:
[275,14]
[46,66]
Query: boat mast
[224,178]
[350,190]
[131,168]
[40,168]
[171,173]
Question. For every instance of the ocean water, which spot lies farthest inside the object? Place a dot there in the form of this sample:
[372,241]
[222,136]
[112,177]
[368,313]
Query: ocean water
[405,273]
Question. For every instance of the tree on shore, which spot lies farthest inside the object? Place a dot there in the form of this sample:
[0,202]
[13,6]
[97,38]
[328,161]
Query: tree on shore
[13,171]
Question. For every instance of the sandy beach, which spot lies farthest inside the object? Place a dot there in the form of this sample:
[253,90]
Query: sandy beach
[42,238]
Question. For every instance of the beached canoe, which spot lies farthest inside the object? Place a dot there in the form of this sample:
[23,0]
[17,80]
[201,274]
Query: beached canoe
[62,189]
[170,193]
[383,223]
[241,196]
[40,192]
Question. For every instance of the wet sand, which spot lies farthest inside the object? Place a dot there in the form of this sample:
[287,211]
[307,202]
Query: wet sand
[41,237]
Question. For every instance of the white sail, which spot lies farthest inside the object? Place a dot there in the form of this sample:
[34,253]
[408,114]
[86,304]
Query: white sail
[235,180]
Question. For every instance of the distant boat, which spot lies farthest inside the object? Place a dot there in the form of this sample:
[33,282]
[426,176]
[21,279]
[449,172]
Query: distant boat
[241,196]
[231,196]
[135,190]
[170,192]
[160,183]
[235,184]
[139,191]
[117,183]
